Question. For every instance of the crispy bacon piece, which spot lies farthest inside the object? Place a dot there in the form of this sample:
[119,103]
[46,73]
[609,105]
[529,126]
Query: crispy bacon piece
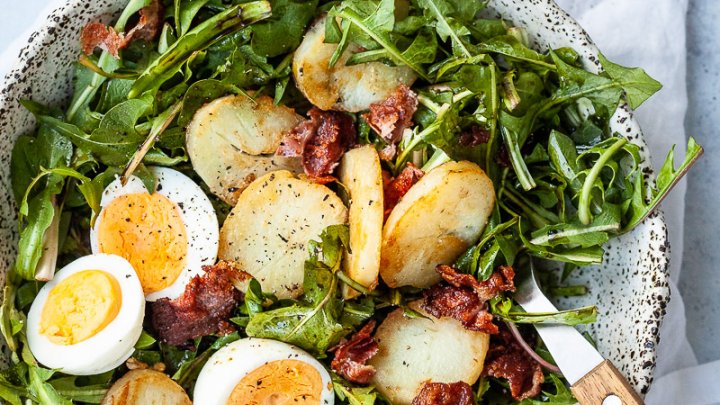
[475,136]
[351,356]
[320,141]
[396,188]
[98,35]
[460,303]
[392,116]
[432,393]
[150,23]
[506,359]
[500,280]
[204,307]
[463,297]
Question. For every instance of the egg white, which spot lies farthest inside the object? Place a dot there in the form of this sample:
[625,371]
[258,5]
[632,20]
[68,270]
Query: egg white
[196,212]
[234,361]
[108,348]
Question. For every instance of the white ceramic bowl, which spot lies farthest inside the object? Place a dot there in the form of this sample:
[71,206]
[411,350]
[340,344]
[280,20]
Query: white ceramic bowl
[630,288]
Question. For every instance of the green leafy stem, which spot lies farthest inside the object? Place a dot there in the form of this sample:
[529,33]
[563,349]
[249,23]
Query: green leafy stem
[383,41]
[200,37]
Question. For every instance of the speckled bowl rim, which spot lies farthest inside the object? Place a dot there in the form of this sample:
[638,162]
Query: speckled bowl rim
[654,283]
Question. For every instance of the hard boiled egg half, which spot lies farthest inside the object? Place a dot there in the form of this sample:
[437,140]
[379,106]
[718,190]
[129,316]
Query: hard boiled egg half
[254,371]
[88,318]
[167,235]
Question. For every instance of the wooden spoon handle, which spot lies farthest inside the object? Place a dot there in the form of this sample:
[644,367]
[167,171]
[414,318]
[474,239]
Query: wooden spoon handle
[601,384]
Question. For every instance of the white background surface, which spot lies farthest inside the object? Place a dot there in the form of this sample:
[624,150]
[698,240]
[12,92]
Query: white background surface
[651,34]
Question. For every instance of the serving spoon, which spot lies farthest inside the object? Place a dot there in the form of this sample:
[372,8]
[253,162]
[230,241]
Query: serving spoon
[594,380]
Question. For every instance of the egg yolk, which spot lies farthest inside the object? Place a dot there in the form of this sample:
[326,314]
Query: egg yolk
[148,231]
[80,306]
[279,382]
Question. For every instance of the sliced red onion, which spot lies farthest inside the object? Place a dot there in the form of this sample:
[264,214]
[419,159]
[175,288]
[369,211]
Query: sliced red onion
[545,364]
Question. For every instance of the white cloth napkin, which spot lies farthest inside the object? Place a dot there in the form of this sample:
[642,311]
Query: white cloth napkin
[650,34]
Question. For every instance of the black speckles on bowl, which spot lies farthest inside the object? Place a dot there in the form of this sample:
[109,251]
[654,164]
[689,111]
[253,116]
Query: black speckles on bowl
[630,288]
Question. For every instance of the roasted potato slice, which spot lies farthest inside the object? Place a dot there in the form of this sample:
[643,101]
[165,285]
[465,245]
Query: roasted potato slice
[145,387]
[438,219]
[232,140]
[413,351]
[268,230]
[361,174]
[342,88]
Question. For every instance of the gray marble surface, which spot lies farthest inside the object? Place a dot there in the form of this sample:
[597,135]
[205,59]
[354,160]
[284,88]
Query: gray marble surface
[700,278]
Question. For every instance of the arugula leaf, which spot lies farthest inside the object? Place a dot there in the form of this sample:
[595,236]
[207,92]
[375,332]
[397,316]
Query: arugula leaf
[114,92]
[197,39]
[32,234]
[111,153]
[199,94]
[42,390]
[68,388]
[571,317]
[530,88]
[564,159]
[176,358]
[447,26]
[589,184]
[188,372]
[313,323]
[185,13]
[504,309]
[577,234]
[89,190]
[510,46]
[512,142]
[645,200]
[561,396]
[284,31]
[483,29]
[48,150]
[145,341]
[568,290]
[159,125]
[378,17]
[12,393]
[184,365]
[352,394]
[423,48]
[37,214]
[244,68]
[11,320]
[119,122]
[480,261]
[87,83]
[577,255]
[368,26]
[22,165]
[605,92]
[442,132]
[638,85]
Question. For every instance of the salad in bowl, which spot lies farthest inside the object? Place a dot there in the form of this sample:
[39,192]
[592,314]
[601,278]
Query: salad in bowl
[314,202]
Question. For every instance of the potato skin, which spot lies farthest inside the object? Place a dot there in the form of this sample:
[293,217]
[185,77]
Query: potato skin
[342,88]
[437,220]
[232,140]
[145,387]
[267,232]
[417,350]
[361,174]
